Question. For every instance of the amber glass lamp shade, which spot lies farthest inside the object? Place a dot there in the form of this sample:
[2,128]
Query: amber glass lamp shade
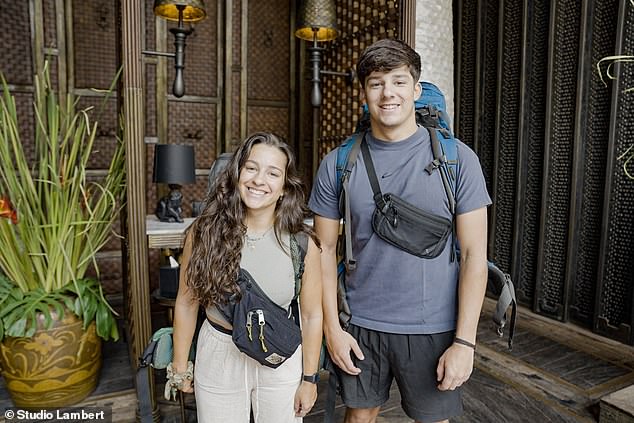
[317,21]
[193,10]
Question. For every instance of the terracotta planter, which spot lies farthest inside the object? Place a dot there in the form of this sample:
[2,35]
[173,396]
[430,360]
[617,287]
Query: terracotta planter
[57,367]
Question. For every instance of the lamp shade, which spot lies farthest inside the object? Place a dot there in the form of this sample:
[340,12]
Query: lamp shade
[193,10]
[317,18]
[174,164]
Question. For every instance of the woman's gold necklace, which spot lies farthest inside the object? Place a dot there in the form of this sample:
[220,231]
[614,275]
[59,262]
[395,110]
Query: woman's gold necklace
[252,240]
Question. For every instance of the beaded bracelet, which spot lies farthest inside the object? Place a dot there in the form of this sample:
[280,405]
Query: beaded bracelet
[463,342]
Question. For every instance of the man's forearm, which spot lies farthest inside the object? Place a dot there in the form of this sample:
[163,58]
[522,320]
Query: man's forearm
[471,290]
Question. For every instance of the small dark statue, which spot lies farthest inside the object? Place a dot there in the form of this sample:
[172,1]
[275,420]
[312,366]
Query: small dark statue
[169,208]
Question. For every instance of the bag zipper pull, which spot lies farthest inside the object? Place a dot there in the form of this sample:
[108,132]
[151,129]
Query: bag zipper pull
[249,325]
[260,314]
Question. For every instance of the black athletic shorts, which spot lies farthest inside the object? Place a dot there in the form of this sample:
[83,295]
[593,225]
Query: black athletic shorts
[411,360]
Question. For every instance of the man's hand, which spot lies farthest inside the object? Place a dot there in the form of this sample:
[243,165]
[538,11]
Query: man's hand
[454,367]
[339,344]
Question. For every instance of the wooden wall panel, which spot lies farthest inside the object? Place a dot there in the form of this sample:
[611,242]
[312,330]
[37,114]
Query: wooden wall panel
[562,211]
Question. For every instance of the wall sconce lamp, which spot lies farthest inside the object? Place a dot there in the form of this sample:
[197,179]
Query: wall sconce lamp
[318,22]
[180,11]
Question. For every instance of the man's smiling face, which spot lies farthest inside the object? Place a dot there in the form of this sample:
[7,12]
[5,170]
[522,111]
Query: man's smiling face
[390,98]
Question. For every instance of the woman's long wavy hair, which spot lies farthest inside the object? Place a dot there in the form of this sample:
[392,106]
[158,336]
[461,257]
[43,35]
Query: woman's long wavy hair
[218,233]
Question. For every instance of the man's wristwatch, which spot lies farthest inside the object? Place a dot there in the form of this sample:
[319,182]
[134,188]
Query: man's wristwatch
[314,378]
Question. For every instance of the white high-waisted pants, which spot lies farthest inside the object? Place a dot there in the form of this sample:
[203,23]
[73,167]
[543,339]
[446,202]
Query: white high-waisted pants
[227,383]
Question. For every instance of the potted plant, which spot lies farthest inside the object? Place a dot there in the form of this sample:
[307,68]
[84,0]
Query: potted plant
[52,222]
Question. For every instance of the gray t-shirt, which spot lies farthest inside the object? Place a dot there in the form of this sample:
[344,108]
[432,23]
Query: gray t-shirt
[391,290]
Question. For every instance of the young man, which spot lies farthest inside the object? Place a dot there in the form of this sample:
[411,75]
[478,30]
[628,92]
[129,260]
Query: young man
[413,318]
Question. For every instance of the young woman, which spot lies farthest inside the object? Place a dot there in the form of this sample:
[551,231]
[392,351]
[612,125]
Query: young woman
[247,223]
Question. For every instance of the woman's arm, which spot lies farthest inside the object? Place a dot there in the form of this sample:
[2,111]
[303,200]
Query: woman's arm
[311,316]
[185,317]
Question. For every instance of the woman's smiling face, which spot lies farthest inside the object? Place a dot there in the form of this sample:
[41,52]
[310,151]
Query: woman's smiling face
[262,178]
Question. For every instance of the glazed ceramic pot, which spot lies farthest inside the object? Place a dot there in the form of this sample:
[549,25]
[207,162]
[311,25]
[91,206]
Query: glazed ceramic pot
[56,367]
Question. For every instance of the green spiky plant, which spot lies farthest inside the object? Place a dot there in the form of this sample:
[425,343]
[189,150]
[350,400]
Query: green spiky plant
[52,219]
[608,63]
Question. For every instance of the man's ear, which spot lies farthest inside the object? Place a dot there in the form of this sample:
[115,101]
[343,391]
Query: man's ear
[418,90]
[362,97]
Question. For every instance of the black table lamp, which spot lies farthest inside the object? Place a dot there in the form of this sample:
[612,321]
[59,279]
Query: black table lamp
[173,165]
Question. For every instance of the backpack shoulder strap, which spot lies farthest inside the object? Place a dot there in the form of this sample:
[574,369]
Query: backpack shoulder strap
[346,159]
[502,286]
[299,247]
[445,151]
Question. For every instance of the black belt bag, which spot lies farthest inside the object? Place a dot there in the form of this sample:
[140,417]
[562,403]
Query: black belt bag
[262,329]
[402,224]
[409,228]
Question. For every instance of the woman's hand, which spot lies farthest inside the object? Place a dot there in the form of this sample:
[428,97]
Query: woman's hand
[305,398]
[178,380]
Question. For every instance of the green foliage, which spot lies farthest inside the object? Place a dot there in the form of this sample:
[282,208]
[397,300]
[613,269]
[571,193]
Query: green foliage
[60,219]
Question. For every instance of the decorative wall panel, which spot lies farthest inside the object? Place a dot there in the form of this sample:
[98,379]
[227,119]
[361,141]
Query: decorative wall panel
[615,311]
[16,62]
[502,211]
[563,206]
[94,46]
[590,161]
[551,291]
[531,123]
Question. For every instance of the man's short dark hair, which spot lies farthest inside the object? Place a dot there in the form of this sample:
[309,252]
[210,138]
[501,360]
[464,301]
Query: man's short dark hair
[386,55]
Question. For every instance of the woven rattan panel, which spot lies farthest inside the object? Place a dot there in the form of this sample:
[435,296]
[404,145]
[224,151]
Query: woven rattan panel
[150,102]
[110,272]
[150,28]
[551,288]
[615,308]
[200,56]
[270,119]
[26,122]
[594,134]
[50,36]
[16,58]
[506,166]
[360,24]
[192,124]
[533,159]
[268,52]
[94,35]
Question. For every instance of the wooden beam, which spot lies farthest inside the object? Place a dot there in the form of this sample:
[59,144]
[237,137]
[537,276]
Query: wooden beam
[244,67]
[220,82]
[62,78]
[134,124]
[227,111]
[70,46]
[37,34]
[161,82]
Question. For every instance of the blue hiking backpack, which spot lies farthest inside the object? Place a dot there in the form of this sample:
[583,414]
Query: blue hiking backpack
[430,113]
